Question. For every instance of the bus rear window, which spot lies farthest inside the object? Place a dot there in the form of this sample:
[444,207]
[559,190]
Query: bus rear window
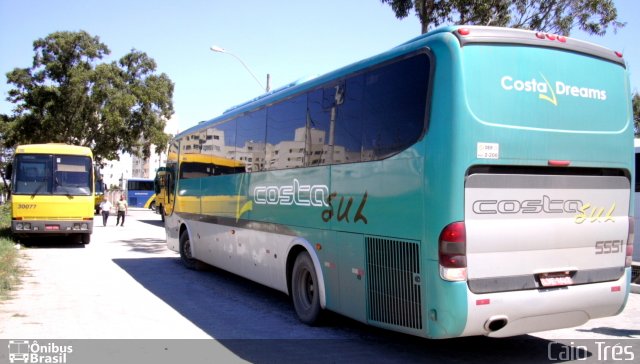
[544,89]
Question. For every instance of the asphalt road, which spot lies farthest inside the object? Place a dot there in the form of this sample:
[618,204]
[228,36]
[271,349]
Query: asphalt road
[127,285]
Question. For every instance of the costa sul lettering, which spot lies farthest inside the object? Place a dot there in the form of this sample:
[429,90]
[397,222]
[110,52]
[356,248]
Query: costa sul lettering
[595,214]
[312,196]
[545,205]
[342,214]
[293,194]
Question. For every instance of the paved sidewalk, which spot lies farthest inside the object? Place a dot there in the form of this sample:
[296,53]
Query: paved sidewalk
[74,291]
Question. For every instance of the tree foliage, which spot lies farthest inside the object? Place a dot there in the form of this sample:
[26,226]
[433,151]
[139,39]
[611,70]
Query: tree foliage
[68,96]
[552,16]
[6,155]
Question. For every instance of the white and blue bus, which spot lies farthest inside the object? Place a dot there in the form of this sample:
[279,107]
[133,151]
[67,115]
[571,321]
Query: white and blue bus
[141,193]
[471,181]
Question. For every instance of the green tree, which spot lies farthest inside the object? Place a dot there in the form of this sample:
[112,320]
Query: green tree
[636,113]
[6,155]
[68,96]
[553,16]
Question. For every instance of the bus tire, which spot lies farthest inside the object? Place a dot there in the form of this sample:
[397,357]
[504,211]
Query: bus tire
[161,209]
[185,252]
[152,206]
[304,290]
[85,238]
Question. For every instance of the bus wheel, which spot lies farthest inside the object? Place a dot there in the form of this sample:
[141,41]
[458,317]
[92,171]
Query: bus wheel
[152,207]
[185,251]
[304,290]
[161,209]
[85,238]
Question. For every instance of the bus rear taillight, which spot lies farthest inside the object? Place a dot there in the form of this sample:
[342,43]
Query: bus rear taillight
[452,249]
[630,238]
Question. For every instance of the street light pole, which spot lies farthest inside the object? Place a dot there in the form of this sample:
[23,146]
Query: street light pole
[222,50]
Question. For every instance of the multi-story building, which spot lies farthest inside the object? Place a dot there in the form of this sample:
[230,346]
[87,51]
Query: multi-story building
[115,173]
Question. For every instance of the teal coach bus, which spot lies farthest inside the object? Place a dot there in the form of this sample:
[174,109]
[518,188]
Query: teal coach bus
[471,181]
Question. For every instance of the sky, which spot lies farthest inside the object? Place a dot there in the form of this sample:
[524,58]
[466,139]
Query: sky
[286,39]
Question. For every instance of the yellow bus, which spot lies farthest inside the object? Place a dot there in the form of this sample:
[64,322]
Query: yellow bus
[160,190]
[194,166]
[52,191]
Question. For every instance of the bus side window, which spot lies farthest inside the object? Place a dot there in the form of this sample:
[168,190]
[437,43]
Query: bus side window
[286,130]
[395,104]
[349,126]
[250,141]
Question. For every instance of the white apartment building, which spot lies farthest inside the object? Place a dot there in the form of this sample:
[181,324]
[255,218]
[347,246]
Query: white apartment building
[115,173]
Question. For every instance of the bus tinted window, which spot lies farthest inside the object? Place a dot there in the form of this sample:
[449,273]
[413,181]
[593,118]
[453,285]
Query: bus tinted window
[72,175]
[394,111]
[286,123]
[320,104]
[250,136]
[227,132]
[348,128]
[364,117]
[637,171]
[190,170]
[140,185]
[32,174]
[53,174]
[222,170]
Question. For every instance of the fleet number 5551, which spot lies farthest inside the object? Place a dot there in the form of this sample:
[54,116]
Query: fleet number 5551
[608,246]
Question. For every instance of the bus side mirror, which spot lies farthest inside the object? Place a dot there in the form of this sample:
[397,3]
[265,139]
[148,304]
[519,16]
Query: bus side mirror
[170,183]
[8,172]
[156,185]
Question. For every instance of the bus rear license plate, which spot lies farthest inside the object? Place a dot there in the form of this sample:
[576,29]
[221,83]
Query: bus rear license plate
[555,279]
[52,227]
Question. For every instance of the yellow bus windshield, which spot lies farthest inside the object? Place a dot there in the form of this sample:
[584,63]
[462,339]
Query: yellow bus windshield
[45,174]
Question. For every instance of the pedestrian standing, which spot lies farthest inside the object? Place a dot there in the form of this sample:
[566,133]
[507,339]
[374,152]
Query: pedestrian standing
[121,207]
[105,208]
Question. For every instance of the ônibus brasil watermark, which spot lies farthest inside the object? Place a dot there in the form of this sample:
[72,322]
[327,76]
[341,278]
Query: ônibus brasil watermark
[32,352]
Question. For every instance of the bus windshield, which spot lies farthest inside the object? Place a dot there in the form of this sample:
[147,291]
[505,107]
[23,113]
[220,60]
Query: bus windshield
[42,174]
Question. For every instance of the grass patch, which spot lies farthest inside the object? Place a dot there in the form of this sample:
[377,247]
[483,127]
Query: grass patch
[9,270]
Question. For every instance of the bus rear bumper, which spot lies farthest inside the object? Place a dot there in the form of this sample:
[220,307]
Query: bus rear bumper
[521,312]
[30,227]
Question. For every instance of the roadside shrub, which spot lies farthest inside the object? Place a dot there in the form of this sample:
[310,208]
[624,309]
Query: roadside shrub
[9,270]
